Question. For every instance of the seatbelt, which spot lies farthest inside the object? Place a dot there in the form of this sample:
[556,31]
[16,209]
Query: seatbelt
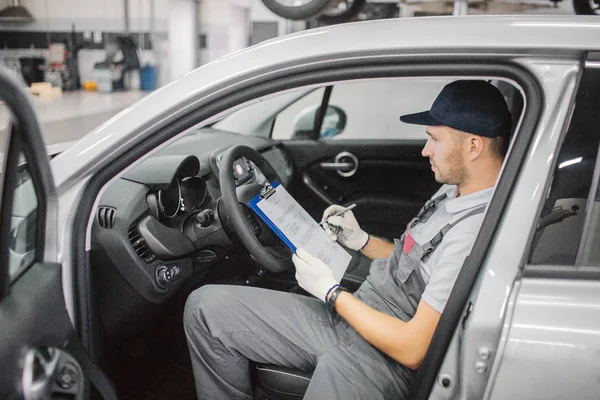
[98,378]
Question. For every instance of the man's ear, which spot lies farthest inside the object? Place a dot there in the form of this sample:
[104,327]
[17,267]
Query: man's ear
[475,145]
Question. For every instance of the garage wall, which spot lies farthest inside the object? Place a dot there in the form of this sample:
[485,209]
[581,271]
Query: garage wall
[182,38]
[225,26]
[228,26]
[260,13]
[95,21]
[103,15]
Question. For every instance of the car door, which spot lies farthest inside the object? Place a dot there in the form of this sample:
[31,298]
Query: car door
[555,311]
[40,354]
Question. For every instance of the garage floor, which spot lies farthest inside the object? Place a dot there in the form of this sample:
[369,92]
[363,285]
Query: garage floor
[71,115]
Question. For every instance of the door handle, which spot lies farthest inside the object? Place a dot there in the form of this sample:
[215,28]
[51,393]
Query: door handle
[39,371]
[345,164]
[342,166]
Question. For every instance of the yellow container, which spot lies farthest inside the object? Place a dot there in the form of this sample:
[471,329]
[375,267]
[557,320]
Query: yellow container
[90,86]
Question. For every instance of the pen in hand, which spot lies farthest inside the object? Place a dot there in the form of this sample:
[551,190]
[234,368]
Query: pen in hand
[337,213]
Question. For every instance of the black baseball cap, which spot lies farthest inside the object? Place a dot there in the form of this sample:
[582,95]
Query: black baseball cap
[473,106]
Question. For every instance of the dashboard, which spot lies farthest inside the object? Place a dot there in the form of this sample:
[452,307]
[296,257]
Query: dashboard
[181,196]
[161,222]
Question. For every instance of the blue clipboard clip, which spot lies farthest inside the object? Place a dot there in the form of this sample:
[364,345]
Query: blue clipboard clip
[267,191]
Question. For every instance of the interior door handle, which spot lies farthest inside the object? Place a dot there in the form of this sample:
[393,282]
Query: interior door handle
[345,164]
[341,166]
[39,372]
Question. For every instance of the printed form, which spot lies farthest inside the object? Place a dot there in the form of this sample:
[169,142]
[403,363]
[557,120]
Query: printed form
[303,231]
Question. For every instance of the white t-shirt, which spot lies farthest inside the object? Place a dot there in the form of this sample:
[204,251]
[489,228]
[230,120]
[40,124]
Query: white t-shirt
[442,268]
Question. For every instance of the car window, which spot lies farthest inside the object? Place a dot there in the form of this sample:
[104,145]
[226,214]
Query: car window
[23,222]
[283,127]
[23,215]
[256,119]
[4,124]
[560,227]
[370,109]
[590,252]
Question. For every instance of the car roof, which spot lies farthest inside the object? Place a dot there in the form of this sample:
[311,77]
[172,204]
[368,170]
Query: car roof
[544,34]
[456,32]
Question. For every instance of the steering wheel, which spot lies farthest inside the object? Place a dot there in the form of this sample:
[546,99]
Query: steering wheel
[260,241]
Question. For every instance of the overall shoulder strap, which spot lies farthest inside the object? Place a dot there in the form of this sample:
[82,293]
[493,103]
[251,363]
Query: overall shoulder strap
[429,247]
[475,211]
[432,203]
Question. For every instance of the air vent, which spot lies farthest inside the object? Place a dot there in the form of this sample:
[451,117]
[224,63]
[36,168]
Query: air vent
[106,217]
[139,246]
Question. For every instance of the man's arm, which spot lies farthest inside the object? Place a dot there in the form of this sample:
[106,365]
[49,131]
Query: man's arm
[377,248]
[405,342]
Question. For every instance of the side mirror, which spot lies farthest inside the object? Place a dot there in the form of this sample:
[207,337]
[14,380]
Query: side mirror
[333,124]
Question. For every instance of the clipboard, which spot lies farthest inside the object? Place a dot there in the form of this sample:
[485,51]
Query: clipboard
[296,228]
[267,191]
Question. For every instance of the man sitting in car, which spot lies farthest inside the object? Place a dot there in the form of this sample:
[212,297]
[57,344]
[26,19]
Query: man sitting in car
[367,344]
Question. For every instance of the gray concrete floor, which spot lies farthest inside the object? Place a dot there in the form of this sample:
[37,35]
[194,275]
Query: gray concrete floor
[72,115]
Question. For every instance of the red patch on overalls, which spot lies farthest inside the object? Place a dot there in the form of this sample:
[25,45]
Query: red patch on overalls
[409,242]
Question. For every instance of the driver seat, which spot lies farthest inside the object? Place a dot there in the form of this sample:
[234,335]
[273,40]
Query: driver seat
[280,383]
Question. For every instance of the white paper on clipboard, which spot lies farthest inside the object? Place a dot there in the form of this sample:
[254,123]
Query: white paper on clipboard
[299,230]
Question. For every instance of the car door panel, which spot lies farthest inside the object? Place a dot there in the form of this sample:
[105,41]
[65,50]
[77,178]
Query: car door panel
[391,183]
[531,357]
[33,317]
[37,336]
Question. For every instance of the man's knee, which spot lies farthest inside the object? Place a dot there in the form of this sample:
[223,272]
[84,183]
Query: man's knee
[203,306]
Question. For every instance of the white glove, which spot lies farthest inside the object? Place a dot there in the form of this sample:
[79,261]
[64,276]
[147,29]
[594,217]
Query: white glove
[344,228]
[313,275]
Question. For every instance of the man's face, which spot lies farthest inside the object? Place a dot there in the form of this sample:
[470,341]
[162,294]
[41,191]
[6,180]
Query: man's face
[444,149]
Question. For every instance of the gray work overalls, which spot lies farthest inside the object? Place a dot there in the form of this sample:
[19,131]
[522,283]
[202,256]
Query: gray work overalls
[395,285]
[227,326]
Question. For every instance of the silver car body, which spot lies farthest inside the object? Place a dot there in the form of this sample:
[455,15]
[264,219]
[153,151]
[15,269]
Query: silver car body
[525,337]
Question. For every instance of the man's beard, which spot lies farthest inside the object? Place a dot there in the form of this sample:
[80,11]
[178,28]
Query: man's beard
[455,172]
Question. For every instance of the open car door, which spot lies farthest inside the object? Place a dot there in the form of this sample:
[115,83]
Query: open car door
[41,356]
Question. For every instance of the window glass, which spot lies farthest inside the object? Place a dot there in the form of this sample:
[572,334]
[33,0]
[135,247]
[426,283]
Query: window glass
[4,124]
[560,227]
[374,107]
[371,109]
[23,216]
[283,128]
[590,252]
[23,222]
[256,119]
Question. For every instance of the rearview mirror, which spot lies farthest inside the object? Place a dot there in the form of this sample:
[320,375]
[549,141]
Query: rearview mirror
[333,124]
